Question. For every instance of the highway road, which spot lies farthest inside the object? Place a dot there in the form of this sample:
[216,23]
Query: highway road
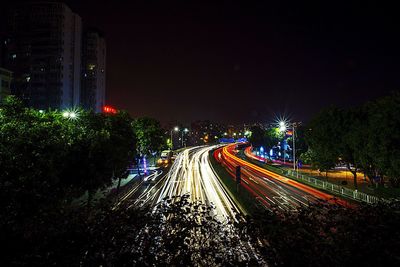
[269,188]
[191,173]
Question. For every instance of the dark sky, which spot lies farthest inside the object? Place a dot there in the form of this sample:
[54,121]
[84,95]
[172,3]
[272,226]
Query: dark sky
[244,61]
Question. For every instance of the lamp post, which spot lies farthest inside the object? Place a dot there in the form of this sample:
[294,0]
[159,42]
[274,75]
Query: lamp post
[294,146]
[184,131]
[176,129]
[282,129]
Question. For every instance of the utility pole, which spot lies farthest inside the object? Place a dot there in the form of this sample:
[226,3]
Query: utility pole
[294,147]
[172,143]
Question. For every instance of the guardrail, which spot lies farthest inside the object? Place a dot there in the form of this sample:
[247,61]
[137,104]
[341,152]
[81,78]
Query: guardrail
[334,188]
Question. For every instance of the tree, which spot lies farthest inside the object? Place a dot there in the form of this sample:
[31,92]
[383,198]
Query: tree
[149,134]
[300,142]
[122,145]
[272,136]
[257,136]
[384,137]
[268,138]
[102,147]
[328,235]
[348,139]
[323,137]
[32,151]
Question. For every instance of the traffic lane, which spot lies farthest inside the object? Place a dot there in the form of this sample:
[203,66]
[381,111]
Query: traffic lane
[193,175]
[228,152]
[268,191]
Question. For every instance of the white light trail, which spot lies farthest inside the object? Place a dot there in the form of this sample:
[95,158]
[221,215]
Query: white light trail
[192,174]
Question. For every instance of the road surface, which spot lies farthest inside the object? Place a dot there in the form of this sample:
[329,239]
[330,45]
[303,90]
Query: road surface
[269,188]
[192,174]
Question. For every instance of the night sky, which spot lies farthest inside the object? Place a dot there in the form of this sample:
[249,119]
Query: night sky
[242,62]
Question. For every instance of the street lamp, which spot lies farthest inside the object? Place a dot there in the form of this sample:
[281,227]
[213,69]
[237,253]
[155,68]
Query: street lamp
[184,131]
[294,146]
[70,114]
[283,125]
[282,128]
[176,129]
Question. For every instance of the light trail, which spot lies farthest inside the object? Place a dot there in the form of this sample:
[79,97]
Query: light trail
[269,188]
[135,189]
[192,174]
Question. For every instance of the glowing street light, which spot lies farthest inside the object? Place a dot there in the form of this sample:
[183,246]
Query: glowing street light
[176,129]
[184,131]
[72,115]
[282,126]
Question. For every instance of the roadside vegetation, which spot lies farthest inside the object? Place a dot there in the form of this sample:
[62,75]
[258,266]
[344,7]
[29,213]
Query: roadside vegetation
[365,140]
[47,160]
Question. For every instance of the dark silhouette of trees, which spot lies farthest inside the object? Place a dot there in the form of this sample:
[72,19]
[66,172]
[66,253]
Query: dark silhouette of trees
[363,138]
[328,235]
[268,138]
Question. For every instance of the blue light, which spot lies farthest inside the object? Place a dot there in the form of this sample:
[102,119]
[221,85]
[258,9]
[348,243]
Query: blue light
[271,152]
[227,140]
[145,165]
[262,150]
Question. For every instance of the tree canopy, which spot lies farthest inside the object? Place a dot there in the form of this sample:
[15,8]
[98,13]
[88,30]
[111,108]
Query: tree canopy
[149,134]
[363,138]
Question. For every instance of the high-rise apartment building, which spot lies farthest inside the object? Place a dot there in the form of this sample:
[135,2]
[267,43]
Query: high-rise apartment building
[93,71]
[44,47]
[5,81]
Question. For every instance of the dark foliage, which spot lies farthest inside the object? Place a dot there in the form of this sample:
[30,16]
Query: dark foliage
[326,235]
[365,138]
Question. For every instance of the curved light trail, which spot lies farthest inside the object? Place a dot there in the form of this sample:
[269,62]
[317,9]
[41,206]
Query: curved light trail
[269,188]
[192,174]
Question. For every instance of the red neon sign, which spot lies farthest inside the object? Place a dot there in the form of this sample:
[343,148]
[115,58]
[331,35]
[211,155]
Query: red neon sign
[109,109]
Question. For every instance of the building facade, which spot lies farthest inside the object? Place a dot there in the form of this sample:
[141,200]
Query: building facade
[43,49]
[93,71]
[5,82]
